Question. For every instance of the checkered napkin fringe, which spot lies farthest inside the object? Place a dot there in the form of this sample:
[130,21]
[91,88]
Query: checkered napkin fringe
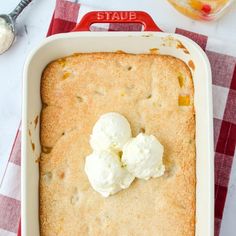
[223,66]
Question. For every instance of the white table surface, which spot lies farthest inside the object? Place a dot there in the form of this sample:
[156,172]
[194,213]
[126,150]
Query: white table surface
[32,26]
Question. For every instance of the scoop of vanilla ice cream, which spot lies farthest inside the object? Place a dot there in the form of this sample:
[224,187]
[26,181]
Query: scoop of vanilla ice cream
[111,131]
[142,156]
[105,173]
[6,36]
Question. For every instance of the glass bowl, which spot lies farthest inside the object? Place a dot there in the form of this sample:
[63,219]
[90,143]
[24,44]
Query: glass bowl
[202,9]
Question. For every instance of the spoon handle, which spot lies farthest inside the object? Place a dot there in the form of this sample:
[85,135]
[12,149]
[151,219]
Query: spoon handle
[19,8]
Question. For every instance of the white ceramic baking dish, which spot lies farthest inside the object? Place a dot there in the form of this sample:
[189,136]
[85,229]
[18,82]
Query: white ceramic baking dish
[132,42]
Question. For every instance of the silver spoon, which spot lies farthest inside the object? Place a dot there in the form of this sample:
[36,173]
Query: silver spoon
[10,19]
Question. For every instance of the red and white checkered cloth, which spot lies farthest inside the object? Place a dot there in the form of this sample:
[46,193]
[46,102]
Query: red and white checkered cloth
[224,97]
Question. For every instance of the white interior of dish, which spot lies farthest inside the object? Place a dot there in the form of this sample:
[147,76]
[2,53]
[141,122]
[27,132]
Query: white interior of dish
[138,42]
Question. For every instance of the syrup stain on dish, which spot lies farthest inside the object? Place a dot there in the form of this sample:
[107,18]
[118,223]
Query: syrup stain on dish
[147,35]
[154,50]
[181,46]
[169,41]
[120,51]
[37,160]
[191,65]
[30,133]
[36,121]
[32,145]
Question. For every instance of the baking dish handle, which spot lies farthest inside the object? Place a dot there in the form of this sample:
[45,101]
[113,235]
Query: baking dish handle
[117,17]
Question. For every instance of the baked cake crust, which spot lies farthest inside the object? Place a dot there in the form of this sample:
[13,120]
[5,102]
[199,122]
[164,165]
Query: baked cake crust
[75,91]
